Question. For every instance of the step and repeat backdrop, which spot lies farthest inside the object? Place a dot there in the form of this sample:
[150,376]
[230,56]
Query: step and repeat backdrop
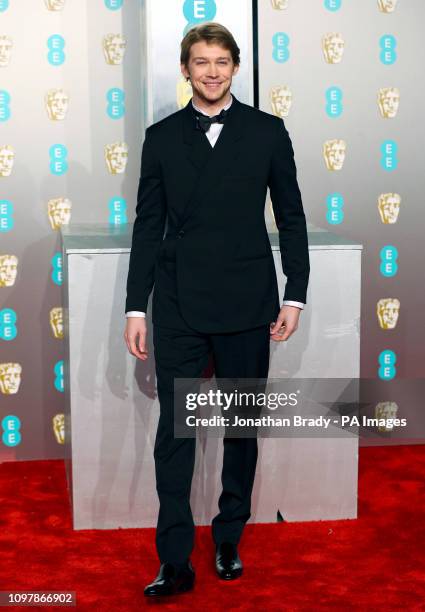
[71,128]
[346,77]
[81,79]
[79,82]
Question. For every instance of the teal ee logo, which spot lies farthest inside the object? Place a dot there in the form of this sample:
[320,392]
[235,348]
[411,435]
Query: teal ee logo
[334,205]
[280,42]
[58,370]
[4,5]
[387,44]
[6,218]
[8,329]
[332,5]
[389,255]
[11,435]
[117,207]
[55,55]
[333,97]
[56,274]
[115,107]
[389,159]
[197,11]
[58,162]
[386,360]
[4,105]
[113,5]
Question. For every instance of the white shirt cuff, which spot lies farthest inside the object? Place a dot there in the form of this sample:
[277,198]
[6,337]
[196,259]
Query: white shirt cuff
[135,313]
[292,303]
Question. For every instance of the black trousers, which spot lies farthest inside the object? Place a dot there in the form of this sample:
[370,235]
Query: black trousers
[184,353]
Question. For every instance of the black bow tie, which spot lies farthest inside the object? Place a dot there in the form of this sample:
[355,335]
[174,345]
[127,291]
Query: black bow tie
[203,122]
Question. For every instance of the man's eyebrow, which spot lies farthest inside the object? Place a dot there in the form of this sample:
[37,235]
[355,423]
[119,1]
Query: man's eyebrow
[201,57]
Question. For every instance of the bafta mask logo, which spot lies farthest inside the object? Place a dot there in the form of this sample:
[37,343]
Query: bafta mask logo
[8,270]
[334,153]
[389,207]
[333,47]
[116,155]
[388,310]
[184,92]
[56,321]
[114,48]
[56,104]
[388,102]
[6,45]
[281,100]
[55,5]
[10,377]
[280,5]
[386,410]
[387,6]
[59,212]
[58,423]
[7,157]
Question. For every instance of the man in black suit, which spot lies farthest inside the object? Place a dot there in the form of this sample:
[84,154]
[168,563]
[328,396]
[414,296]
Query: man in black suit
[205,170]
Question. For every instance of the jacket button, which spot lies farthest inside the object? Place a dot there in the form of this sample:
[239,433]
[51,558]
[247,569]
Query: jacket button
[181,233]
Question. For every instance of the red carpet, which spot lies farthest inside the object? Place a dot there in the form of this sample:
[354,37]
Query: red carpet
[376,562]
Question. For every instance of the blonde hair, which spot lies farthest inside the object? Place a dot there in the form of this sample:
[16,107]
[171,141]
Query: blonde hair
[210,32]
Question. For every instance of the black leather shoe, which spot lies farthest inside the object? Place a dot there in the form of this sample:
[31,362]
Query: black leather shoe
[227,561]
[171,580]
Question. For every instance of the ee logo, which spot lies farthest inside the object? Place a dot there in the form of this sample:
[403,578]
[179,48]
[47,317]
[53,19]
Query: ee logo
[389,159]
[389,255]
[4,105]
[332,5]
[280,42]
[334,205]
[386,360]
[58,162]
[117,211]
[387,44]
[56,275]
[58,370]
[55,44]
[11,435]
[333,97]
[8,329]
[113,5]
[6,218]
[115,107]
[197,11]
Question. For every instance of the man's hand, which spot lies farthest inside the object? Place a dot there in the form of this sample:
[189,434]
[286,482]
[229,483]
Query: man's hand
[286,324]
[135,337]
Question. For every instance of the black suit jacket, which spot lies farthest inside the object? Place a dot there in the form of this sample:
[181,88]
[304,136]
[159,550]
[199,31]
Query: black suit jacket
[211,202]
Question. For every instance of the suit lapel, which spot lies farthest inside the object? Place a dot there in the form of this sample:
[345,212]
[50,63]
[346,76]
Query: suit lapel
[198,149]
[211,162]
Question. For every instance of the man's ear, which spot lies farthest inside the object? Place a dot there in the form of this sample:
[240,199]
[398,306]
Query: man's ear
[184,72]
[235,69]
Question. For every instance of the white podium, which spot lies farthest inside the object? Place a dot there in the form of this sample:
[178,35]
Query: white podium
[112,408]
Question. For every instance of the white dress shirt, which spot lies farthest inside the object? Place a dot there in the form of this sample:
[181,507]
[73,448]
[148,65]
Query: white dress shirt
[212,135]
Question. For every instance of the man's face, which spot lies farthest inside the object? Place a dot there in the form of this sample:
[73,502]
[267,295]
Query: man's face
[210,69]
